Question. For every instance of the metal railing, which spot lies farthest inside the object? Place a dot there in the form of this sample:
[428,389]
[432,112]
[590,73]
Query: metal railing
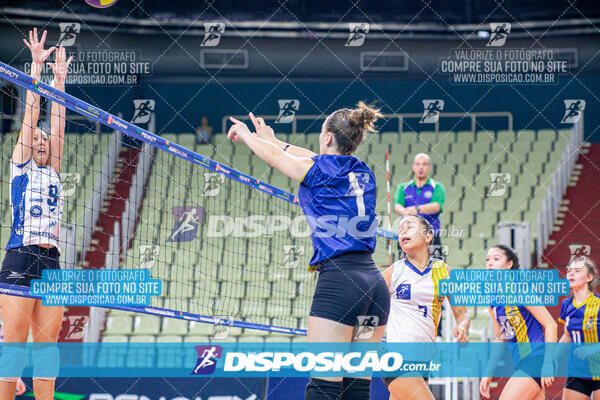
[401,118]
[560,179]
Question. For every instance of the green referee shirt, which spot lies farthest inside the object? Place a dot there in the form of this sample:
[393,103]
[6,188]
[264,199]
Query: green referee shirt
[409,195]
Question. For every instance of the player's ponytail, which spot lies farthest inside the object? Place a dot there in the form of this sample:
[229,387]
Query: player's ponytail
[348,126]
[511,255]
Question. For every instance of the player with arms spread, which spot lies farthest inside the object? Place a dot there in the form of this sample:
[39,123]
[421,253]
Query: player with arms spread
[337,194]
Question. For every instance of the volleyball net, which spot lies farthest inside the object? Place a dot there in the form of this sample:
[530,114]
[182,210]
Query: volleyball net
[230,245]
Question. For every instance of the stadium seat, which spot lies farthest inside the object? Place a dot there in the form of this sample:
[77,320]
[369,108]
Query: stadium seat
[120,324]
[114,338]
[200,329]
[171,326]
[278,308]
[253,307]
[257,289]
[146,325]
[284,289]
[169,339]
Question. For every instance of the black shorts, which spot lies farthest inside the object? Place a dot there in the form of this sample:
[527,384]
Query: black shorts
[532,367]
[584,386]
[351,286]
[387,380]
[23,264]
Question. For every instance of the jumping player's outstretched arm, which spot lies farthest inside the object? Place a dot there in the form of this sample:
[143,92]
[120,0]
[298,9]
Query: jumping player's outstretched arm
[22,151]
[292,166]
[264,131]
[57,120]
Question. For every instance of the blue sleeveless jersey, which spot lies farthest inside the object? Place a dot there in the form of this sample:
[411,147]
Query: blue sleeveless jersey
[582,323]
[523,332]
[338,196]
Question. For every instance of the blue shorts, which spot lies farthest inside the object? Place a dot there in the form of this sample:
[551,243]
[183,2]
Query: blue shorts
[351,286]
[22,264]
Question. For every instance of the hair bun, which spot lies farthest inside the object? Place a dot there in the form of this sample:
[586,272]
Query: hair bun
[363,117]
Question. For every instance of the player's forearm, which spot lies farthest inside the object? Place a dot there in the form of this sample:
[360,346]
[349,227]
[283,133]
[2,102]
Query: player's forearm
[398,209]
[266,150]
[292,149]
[463,319]
[551,338]
[431,208]
[32,100]
[58,112]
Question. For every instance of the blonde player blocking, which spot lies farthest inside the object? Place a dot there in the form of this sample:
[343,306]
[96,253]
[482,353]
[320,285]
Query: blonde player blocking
[415,309]
[33,246]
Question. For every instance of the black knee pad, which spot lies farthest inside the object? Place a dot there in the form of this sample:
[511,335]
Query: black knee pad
[356,389]
[320,389]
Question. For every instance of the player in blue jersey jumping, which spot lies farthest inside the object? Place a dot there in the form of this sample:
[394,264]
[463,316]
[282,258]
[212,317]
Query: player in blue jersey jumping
[579,314]
[36,201]
[526,329]
[337,194]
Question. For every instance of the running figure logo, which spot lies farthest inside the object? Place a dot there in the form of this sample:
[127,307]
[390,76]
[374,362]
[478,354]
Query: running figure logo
[186,223]
[358,32]
[573,111]
[68,33]
[366,326]
[69,181]
[144,109]
[431,111]
[221,327]
[287,111]
[579,250]
[148,255]
[403,291]
[292,255]
[207,359]
[498,34]
[212,184]
[77,325]
[500,182]
[212,35]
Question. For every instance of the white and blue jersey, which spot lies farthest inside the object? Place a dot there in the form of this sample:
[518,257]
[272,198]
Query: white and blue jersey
[36,198]
[338,196]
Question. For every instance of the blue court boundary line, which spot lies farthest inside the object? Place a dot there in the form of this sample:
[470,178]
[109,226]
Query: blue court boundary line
[111,121]
[23,291]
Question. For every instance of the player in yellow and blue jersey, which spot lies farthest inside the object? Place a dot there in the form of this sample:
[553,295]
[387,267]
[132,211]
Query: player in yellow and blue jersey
[579,314]
[525,329]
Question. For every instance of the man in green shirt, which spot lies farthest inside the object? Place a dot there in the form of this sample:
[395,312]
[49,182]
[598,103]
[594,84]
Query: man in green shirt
[422,196]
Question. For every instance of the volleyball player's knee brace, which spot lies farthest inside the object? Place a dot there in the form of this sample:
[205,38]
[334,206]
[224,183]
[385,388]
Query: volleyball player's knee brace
[356,389]
[46,361]
[13,358]
[320,389]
